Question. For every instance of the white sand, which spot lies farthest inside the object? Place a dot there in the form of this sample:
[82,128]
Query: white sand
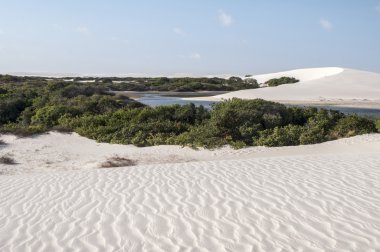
[323,197]
[317,85]
[63,152]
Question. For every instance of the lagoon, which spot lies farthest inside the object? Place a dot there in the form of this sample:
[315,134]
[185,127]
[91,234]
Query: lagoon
[170,98]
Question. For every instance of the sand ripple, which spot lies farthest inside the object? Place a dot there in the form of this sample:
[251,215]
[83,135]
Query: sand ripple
[310,203]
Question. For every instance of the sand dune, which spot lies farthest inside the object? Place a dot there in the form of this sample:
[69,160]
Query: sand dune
[307,198]
[63,152]
[323,85]
[306,74]
[305,203]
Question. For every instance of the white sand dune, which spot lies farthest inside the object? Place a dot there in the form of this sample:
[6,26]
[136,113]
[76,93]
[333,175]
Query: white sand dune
[322,197]
[322,85]
[63,152]
[306,74]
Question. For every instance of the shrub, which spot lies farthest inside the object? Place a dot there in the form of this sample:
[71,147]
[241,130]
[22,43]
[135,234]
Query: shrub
[74,90]
[21,131]
[313,135]
[378,125]
[351,126]
[280,136]
[230,115]
[300,115]
[201,136]
[280,81]
[252,82]
[11,108]
[49,115]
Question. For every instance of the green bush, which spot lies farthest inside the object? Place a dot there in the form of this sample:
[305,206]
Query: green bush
[49,115]
[280,81]
[252,82]
[11,108]
[229,116]
[19,130]
[201,136]
[280,136]
[313,135]
[351,126]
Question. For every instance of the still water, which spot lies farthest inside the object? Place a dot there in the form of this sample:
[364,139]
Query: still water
[158,100]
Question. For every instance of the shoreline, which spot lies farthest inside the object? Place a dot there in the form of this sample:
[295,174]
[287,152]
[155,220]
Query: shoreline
[354,103]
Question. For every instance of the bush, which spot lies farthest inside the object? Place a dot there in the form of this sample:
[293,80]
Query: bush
[313,135]
[252,82]
[21,131]
[201,136]
[229,116]
[284,136]
[281,81]
[378,125]
[49,115]
[11,108]
[351,126]
[74,90]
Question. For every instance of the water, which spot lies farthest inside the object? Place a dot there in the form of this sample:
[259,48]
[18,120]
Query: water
[158,100]
[369,112]
[155,100]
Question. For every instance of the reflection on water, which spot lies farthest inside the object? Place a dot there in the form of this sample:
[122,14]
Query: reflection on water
[158,100]
[155,100]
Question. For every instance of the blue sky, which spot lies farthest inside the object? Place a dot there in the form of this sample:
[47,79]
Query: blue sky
[195,37]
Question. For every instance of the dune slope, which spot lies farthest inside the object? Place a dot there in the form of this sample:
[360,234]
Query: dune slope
[291,203]
[63,152]
[316,84]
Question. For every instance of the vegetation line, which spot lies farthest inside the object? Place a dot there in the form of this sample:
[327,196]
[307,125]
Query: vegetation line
[34,105]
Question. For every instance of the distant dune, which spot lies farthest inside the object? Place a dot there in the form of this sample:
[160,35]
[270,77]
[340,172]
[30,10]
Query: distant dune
[331,84]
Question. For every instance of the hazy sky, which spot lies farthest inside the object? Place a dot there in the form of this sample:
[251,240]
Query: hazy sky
[187,36]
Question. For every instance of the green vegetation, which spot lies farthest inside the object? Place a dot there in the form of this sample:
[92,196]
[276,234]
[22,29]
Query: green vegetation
[184,84]
[281,81]
[180,84]
[33,106]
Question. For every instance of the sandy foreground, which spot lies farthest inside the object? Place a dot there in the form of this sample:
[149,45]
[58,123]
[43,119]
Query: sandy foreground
[323,197]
